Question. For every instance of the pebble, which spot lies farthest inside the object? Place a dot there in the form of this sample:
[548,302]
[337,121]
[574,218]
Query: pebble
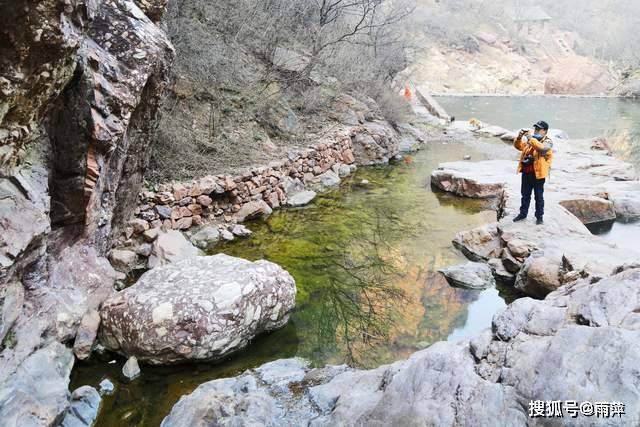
[131,369]
[106,386]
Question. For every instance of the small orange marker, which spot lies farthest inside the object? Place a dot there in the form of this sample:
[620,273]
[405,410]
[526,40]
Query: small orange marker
[408,160]
[407,93]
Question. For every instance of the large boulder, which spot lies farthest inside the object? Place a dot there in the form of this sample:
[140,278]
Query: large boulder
[200,308]
[171,246]
[472,275]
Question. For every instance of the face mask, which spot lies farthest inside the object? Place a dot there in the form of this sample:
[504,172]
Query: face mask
[537,136]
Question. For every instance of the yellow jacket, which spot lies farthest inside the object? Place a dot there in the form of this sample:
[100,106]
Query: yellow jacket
[542,152]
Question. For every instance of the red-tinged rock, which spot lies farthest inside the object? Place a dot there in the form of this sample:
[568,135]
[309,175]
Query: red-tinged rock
[176,213]
[180,191]
[204,200]
[348,157]
[182,223]
[195,209]
[139,225]
[197,220]
[185,212]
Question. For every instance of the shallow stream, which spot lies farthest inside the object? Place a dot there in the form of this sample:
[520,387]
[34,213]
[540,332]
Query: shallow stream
[365,260]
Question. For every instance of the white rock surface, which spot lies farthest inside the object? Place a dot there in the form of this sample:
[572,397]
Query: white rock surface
[200,308]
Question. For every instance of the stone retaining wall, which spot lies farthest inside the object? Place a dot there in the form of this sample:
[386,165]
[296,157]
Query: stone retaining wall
[180,206]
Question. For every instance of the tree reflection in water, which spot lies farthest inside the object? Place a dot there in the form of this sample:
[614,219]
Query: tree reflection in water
[357,300]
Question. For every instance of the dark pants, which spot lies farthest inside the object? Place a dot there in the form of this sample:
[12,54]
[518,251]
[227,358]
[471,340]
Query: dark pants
[529,183]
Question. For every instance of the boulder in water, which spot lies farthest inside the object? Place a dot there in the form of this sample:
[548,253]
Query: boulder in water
[300,198]
[197,309]
[472,275]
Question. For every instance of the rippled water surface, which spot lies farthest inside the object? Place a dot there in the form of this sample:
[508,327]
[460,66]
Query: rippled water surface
[365,259]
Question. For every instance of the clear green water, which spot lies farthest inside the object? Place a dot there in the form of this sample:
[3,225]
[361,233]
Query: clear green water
[365,260]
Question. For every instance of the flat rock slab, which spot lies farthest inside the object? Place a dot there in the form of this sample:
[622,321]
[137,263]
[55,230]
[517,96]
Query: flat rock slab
[300,198]
[478,180]
[471,275]
[200,308]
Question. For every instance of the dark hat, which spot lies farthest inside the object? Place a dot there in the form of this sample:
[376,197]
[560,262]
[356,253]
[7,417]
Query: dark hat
[541,125]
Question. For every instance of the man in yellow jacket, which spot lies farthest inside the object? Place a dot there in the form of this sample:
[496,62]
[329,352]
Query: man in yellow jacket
[535,161]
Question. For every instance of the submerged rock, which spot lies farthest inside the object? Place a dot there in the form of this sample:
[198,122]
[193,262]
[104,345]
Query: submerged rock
[83,409]
[324,182]
[200,308]
[473,275]
[300,198]
[106,387]
[131,370]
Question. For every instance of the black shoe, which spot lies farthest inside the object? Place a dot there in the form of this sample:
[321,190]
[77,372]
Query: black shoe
[520,217]
[539,221]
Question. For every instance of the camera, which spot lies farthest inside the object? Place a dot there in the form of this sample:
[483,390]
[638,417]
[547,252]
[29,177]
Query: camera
[528,160]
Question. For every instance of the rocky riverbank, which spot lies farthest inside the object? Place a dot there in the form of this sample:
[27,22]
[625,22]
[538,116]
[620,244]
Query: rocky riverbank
[577,344]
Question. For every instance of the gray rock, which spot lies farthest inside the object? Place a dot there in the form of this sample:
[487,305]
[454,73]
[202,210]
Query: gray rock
[227,235]
[86,335]
[241,231]
[206,237]
[37,392]
[164,212]
[252,210]
[144,249]
[500,272]
[344,170]
[131,370]
[539,275]
[200,308]
[122,259]
[83,409]
[106,387]
[479,244]
[324,181]
[590,210]
[171,246]
[472,275]
[151,235]
[300,198]
[11,300]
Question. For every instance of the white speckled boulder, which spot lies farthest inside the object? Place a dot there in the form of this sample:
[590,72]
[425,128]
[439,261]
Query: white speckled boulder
[201,308]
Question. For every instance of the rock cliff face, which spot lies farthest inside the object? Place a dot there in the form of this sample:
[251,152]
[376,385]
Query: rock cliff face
[79,87]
